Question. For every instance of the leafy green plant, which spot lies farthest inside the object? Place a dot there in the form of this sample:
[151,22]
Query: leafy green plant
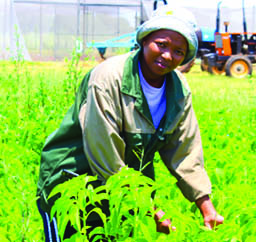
[129,195]
[73,74]
[18,57]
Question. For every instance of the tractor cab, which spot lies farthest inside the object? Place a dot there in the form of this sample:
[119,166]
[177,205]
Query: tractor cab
[252,44]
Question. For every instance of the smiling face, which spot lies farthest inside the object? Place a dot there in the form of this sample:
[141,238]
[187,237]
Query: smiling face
[163,51]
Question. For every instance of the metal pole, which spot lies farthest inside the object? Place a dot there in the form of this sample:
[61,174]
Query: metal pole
[118,21]
[78,20]
[84,27]
[141,12]
[40,28]
[4,28]
[244,23]
[217,30]
[11,28]
[253,19]
[55,30]
[136,19]
[93,23]
[87,24]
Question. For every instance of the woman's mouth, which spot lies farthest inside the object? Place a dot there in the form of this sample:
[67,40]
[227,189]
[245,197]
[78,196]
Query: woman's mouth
[162,65]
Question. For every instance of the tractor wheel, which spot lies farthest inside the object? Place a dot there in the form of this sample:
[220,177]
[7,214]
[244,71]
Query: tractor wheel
[204,67]
[215,70]
[238,66]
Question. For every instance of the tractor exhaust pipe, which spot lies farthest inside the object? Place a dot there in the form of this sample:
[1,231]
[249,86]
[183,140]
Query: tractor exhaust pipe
[218,17]
[244,23]
[155,4]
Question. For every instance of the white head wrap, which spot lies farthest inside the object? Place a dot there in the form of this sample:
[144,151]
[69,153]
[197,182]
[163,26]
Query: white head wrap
[173,18]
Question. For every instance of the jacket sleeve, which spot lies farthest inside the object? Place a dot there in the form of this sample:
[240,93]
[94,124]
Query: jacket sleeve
[183,156]
[100,119]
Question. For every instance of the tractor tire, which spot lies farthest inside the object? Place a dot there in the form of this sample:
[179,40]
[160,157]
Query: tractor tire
[238,66]
[215,70]
[204,67]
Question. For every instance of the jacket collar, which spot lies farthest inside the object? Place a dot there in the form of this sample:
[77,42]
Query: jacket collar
[175,91]
[131,79]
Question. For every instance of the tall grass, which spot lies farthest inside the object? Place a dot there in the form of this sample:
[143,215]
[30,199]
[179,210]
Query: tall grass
[33,102]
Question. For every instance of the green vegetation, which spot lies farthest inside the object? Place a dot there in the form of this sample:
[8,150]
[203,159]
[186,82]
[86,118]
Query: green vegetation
[34,98]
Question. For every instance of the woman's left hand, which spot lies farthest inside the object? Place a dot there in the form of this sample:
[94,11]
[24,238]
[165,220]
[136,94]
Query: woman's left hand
[164,226]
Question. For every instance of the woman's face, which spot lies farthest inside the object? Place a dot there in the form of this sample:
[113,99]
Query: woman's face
[163,51]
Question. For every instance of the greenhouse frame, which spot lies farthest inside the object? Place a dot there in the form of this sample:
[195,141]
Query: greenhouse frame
[51,29]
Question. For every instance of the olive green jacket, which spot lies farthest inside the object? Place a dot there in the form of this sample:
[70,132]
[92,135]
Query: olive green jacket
[110,126]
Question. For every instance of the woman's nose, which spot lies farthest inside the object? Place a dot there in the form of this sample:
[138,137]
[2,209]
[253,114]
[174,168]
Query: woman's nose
[167,55]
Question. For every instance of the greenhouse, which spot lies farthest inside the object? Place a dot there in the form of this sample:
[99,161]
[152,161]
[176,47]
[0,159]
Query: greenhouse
[51,29]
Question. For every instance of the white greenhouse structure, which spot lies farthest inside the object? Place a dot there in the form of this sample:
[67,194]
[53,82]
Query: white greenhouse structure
[51,29]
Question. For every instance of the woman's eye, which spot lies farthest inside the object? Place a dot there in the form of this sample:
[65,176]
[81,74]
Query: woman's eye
[161,44]
[179,52]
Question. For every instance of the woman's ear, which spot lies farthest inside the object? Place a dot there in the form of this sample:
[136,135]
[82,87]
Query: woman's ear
[144,41]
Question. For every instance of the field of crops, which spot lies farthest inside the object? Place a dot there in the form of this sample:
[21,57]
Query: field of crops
[34,98]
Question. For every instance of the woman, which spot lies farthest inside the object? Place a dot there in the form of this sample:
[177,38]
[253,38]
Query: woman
[132,102]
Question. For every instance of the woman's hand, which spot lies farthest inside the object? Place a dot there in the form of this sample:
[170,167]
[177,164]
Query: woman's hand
[211,218]
[164,226]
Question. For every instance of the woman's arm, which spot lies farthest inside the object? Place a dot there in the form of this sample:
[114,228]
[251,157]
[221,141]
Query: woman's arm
[184,158]
[100,119]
